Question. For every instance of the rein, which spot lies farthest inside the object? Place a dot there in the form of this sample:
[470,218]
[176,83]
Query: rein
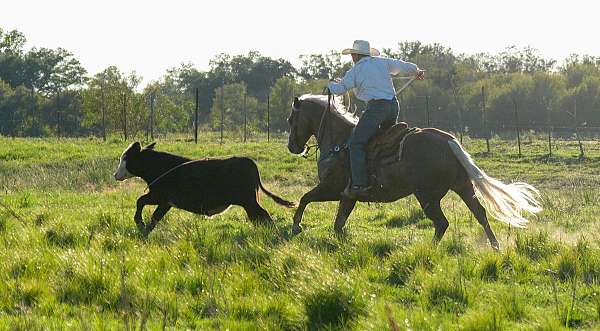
[166,173]
[307,147]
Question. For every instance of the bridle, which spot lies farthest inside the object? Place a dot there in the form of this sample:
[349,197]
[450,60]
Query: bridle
[307,148]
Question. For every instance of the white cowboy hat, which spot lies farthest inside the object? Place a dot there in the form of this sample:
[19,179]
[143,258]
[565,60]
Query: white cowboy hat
[361,47]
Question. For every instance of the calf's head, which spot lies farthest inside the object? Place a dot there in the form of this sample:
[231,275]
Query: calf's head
[129,163]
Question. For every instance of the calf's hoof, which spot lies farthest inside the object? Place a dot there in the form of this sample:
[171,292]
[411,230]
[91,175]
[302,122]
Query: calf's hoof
[140,226]
[296,229]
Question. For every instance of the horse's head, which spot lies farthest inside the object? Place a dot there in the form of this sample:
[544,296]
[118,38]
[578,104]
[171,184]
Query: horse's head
[302,126]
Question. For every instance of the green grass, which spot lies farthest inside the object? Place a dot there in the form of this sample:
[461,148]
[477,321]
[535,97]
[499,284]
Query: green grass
[71,258]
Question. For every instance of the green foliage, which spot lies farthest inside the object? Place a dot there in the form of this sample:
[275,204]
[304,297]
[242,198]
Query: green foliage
[333,305]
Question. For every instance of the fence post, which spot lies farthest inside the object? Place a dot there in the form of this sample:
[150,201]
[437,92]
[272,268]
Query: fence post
[222,107]
[102,104]
[581,153]
[427,110]
[125,115]
[549,132]
[57,114]
[152,98]
[268,117]
[483,120]
[245,117]
[517,126]
[196,116]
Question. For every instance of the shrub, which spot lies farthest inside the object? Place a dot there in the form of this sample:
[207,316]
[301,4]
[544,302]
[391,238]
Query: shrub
[334,305]
[404,264]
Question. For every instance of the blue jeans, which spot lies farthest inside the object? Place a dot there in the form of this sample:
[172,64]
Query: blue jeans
[379,113]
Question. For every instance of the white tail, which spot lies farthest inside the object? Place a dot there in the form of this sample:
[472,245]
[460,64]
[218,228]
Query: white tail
[505,202]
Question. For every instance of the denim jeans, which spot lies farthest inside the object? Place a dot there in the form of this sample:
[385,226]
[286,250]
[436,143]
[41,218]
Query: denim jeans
[379,113]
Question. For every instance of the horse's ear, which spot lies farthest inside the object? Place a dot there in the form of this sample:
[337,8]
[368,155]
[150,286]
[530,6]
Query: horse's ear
[297,103]
[151,146]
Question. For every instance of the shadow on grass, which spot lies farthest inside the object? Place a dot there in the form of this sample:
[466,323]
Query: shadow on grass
[415,217]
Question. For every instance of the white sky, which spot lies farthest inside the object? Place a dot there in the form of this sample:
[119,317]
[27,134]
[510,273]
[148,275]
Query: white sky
[151,36]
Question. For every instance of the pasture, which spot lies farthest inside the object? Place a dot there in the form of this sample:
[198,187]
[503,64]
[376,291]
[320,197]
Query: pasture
[71,256]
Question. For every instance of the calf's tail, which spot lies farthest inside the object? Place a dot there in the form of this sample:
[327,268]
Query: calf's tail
[279,200]
[506,202]
[276,198]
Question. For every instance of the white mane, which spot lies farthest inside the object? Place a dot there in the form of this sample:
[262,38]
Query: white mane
[337,107]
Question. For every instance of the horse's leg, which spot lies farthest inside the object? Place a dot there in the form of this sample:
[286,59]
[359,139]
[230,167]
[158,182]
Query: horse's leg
[158,214]
[314,195]
[467,194]
[432,209]
[344,209]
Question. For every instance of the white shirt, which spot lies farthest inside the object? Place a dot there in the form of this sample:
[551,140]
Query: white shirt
[371,77]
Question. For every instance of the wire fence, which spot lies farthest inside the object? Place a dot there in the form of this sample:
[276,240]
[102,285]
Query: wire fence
[419,111]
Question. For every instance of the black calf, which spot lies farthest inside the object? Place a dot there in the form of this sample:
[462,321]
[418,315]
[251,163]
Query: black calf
[205,187]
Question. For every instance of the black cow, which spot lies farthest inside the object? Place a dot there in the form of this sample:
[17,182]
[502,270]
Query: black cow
[205,187]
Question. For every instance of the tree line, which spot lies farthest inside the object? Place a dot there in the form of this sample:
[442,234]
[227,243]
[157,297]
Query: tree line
[46,92]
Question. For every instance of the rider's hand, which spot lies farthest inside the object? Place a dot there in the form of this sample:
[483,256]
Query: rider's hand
[420,74]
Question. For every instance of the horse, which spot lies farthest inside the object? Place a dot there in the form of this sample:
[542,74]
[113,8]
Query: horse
[431,162]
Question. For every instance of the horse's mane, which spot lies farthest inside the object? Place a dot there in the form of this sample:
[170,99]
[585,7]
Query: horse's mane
[337,107]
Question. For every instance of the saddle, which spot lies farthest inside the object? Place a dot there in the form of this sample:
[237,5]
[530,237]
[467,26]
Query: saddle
[383,149]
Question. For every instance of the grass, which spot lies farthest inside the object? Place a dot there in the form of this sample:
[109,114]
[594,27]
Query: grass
[71,257]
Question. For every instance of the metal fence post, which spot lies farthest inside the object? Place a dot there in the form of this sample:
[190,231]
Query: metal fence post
[222,108]
[427,110]
[517,126]
[152,98]
[196,116]
[245,117]
[483,120]
[103,105]
[268,118]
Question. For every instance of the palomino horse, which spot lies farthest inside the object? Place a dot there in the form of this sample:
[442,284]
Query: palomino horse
[432,162]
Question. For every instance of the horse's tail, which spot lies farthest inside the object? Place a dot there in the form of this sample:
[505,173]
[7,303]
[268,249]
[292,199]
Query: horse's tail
[505,202]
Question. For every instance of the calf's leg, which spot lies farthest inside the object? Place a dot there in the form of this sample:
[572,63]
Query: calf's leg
[144,200]
[256,213]
[158,214]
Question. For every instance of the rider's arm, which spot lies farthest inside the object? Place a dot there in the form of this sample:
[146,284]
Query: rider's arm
[346,84]
[396,67]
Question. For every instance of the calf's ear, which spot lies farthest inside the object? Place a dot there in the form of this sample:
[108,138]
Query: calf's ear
[151,146]
[136,146]
[296,103]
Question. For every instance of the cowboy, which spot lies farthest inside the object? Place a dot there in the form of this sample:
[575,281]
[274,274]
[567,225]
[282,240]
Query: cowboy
[371,78]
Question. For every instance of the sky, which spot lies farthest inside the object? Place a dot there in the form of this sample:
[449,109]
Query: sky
[152,36]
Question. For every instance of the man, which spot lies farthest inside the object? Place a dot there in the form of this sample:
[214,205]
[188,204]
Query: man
[371,78]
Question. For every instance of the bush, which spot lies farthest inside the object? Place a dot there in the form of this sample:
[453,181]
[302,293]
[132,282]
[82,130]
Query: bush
[333,306]
[535,246]
[403,265]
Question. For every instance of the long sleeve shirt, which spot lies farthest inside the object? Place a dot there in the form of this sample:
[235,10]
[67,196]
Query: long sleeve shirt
[371,77]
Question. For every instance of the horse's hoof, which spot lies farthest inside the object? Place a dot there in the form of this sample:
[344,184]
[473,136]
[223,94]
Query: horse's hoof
[338,229]
[296,229]
[495,246]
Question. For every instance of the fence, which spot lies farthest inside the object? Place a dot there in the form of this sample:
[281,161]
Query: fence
[419,110]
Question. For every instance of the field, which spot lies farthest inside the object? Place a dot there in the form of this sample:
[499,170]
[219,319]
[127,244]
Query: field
[71,257]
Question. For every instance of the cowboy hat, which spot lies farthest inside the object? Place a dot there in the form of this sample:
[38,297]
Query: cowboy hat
[361,47]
